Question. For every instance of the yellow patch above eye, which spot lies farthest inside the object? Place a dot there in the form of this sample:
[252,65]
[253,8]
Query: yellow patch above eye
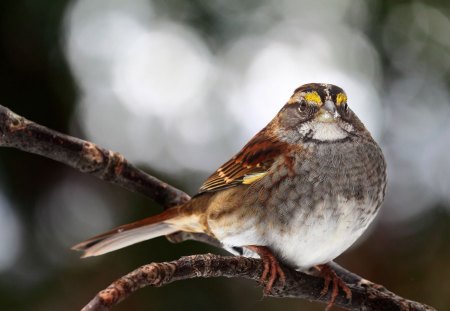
[341,98]
[313,97]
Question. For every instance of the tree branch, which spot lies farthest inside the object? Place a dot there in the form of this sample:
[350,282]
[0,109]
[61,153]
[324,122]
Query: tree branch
[87,157]
[365,295]
[18,132]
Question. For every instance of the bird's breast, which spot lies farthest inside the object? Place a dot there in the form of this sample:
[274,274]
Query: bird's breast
[311,206]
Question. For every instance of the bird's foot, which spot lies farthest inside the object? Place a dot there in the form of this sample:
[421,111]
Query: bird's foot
[331,277]
[272,269]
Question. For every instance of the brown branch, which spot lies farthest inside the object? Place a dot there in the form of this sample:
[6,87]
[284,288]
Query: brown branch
[18,132]
[365,295]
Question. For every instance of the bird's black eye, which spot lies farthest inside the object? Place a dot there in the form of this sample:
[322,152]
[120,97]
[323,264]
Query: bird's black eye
[302,106]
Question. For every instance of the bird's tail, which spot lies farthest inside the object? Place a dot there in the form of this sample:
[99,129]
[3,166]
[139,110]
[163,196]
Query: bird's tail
[167,222]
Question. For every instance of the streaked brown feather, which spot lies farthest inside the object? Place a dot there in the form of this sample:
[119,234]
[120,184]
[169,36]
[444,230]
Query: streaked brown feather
[257,156]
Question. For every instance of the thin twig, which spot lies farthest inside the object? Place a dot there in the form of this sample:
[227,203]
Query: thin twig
[18,132]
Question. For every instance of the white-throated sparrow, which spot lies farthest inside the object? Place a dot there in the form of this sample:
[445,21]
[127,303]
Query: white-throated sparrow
[300,191]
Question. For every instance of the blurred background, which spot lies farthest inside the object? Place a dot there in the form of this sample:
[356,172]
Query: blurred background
[178,87]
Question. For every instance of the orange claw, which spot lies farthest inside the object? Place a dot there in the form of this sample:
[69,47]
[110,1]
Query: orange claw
[330,276]
[272,269]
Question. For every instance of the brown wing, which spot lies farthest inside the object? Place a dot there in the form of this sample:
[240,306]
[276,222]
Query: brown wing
[249,165]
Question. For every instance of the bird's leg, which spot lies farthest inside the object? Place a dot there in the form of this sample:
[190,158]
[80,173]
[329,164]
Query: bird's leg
[272,269]
[331,277]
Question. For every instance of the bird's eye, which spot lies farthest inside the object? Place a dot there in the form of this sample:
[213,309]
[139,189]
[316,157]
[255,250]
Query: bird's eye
[302,106]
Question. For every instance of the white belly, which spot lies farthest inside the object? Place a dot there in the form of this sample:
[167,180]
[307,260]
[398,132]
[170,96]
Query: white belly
[322,240]
[308,241]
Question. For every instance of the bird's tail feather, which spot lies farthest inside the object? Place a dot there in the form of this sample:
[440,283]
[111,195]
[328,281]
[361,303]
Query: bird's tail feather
[148,228]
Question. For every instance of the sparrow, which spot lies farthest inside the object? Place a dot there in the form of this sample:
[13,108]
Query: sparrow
[301,191]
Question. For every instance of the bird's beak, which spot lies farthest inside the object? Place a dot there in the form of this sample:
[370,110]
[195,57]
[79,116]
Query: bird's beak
[328,112]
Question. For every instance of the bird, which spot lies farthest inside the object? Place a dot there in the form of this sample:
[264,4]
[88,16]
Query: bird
[300,192]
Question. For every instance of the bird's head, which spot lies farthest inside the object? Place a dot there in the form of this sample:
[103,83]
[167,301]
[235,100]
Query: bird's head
[318,112]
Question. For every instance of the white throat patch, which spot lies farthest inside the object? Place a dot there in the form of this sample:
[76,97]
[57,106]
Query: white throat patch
[324,131]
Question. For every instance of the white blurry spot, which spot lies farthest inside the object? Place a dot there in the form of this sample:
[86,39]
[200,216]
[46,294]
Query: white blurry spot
[99,31]
[110,124]
[163,72]
[200,143]
[268,83]
[10,233]
[70,214]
